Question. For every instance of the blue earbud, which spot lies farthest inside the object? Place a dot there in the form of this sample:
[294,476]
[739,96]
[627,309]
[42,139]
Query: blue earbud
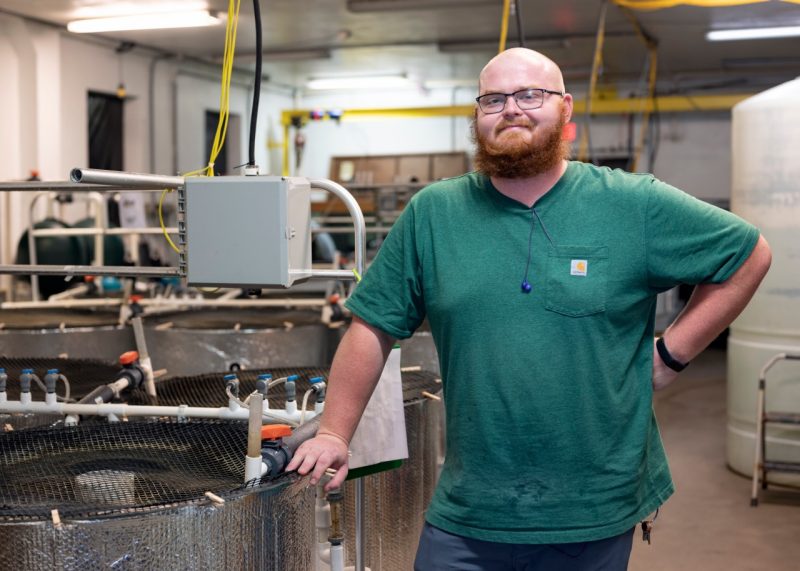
[526,287]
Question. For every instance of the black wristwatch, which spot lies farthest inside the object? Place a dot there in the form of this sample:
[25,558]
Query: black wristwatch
[668,359]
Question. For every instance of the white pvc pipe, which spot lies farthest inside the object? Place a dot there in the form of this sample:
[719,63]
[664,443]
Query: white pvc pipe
[144,356]
[337,557]
[254,467]
[165,302]
[122,410]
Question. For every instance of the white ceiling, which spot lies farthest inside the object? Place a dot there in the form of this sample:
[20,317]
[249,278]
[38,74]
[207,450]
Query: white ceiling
[412,35]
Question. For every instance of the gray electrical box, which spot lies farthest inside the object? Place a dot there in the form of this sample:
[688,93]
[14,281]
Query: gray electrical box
[246,231]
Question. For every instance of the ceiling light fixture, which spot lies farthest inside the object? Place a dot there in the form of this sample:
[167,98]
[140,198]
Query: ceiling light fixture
[154,21]
[753,33]
[361,82]
[131,7]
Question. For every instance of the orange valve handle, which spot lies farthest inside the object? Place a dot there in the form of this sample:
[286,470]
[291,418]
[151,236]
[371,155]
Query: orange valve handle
[275,431]
[128,358]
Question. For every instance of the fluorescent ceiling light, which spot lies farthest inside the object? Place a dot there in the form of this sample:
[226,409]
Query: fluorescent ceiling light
[135,7]
[753,33]
[155,21]
[360,82]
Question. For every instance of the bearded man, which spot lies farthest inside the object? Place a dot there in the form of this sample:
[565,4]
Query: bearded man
[539,278]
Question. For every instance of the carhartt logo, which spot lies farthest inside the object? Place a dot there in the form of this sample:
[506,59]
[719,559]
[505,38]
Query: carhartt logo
[578,267]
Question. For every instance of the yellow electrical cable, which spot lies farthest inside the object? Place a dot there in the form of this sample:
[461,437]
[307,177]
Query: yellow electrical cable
[504,25]
[227,72]
[161,219]
[231,28]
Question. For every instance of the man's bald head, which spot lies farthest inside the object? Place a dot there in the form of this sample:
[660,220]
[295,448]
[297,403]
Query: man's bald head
[521,62]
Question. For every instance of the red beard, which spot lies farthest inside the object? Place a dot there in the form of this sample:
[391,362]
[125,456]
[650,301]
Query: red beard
[514,157]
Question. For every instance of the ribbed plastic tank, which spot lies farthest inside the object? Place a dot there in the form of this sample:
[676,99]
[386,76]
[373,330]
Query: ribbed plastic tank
[133,495]
[766,192]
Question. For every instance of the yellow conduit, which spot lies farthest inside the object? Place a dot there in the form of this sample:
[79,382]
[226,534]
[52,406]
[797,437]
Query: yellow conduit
[504,25]
[583,146]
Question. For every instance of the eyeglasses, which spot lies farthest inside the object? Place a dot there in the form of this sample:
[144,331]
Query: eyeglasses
[526,99]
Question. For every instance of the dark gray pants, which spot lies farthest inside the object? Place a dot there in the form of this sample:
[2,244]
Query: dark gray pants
[443,551]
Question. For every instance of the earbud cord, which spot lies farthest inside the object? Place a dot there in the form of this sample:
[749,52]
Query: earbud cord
[544,228]
[526,286]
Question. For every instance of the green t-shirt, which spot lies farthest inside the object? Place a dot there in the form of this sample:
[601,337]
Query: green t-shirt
[551,436]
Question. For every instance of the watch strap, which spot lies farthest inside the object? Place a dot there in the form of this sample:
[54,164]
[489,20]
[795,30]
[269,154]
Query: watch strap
[668,359]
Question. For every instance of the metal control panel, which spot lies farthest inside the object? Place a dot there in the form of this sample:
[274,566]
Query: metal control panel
[245,231]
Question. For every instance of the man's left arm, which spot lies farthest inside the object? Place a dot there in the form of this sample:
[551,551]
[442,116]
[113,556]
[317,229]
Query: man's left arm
[711,308]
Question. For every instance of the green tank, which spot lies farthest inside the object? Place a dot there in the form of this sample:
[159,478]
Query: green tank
[113,246]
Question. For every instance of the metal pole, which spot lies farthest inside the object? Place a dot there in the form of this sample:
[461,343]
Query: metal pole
[66,186]
[131,179]
[360,516]
[55,270]
[39,232]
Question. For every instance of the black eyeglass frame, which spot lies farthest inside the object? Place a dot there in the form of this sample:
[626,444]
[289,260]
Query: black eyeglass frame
[514,95]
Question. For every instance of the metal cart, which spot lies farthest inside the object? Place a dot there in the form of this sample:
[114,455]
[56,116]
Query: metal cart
[761,465]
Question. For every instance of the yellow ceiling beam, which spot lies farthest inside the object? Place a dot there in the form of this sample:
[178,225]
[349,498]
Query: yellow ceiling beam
[663,104]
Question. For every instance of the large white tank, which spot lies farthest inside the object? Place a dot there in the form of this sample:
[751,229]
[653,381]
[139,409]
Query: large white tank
[766,191]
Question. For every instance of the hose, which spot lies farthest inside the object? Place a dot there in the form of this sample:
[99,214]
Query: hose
[303,408]
[302,433]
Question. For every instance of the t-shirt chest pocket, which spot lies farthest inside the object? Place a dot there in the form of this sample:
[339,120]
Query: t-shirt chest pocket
[577,279]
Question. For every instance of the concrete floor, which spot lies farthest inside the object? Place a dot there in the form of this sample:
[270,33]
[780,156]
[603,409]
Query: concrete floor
[708,523]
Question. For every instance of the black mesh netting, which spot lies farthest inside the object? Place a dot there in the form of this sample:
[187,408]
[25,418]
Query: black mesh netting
[83,374]
[106,469]
[209,389]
